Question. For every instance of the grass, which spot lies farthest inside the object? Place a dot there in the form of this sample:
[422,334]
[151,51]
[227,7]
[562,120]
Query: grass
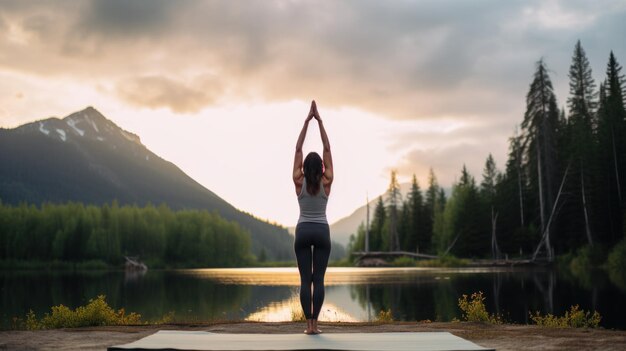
[384,316]
[60,265]
[474,310]
[443,262]
[574,318]
[96,313]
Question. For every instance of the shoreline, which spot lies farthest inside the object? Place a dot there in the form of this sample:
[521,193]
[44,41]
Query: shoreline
[502,337]
[102,266]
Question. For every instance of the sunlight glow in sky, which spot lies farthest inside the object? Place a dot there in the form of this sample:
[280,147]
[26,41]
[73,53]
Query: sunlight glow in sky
[221,88]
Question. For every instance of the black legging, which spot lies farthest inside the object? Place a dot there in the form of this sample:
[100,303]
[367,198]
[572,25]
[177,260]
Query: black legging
[312,248]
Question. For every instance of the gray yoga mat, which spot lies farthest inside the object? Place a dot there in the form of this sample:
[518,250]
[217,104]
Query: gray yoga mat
[199,340]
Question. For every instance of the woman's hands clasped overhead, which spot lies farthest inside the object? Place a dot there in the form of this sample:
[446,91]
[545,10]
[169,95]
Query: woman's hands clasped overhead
[313,113]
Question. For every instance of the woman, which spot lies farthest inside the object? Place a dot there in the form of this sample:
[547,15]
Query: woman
[312,179]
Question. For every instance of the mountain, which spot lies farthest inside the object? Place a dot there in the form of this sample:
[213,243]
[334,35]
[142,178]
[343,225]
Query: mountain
[87,158]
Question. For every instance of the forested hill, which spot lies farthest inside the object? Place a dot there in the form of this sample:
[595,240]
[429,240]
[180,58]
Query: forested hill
[87,158]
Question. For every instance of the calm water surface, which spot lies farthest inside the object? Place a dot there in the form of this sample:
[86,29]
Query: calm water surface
[352,294]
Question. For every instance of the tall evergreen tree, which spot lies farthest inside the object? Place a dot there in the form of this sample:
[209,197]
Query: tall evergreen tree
[404,227]
[441,199]
[377,226]
[612,150]
[429,202]
[512,202]
[418,239]
[394,199]
[488,184]
[580,149]
[540,131]
[464,224]
[582,102]
[488,195]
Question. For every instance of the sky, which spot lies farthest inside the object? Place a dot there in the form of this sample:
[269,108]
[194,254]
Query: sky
[221,88]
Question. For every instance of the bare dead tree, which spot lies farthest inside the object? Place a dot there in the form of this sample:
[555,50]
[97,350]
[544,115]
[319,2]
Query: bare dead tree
[541,204]
[495,250]
[584,200]
[545,238]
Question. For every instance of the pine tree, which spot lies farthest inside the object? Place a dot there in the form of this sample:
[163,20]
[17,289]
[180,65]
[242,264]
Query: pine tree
[612,151]
[429,203]
[404,227]
[512,201]
[540,132]
[464,224]
[488,184]
[394,199]
[581,147]
[419,238]
[582,101]
[377,225]
[488,195]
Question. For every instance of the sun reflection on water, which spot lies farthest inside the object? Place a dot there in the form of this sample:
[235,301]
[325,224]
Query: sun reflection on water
[288,276]
[290,310]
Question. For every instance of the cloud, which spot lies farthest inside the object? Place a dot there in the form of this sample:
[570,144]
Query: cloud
[445,161]
[448,145]
[159,91]
[124,18]
[402,60]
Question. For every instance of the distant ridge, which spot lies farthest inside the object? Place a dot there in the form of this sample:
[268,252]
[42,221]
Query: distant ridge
[87,158]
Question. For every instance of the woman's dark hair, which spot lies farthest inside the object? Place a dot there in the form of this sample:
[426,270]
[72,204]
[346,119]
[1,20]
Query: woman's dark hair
[313,172]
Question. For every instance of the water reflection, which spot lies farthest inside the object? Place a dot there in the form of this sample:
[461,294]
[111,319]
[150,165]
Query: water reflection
[352,294]
[289,309]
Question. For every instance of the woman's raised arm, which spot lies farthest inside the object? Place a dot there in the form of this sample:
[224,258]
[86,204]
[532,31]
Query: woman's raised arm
[297,161]
[327,156]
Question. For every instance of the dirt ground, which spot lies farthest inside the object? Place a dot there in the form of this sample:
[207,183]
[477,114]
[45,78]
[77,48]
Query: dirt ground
[500,337]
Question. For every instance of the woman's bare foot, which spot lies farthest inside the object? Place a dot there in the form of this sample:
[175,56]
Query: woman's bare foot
[309,327]
[316,330]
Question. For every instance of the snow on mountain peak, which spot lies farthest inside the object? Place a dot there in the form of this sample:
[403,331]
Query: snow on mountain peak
[72,123]
[42,129]
[62,134]
[91,123]
[87,124]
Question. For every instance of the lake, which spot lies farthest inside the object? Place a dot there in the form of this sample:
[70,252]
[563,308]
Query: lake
[352,294]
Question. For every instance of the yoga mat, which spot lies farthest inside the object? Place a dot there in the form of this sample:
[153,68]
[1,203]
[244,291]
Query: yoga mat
[200,340]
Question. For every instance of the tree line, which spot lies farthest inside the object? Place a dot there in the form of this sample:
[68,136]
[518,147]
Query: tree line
[562,188]
[75,232]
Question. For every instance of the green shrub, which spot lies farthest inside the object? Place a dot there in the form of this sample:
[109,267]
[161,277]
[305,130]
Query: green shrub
[617,258]
[574,318]
[615,265]
[384,316]
[444,261]
[587,257]
[474,309]
[403,262]
[96,312]
[165,319]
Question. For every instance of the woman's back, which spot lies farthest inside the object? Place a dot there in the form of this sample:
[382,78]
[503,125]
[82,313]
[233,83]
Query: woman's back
[312,207]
